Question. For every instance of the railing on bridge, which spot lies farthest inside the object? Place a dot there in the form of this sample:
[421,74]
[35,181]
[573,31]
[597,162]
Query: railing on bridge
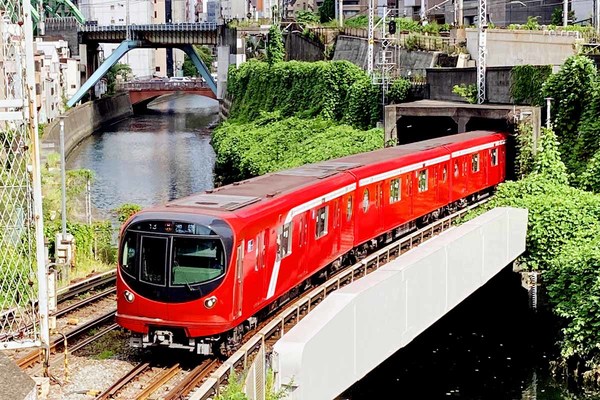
[170,27]
[158,85]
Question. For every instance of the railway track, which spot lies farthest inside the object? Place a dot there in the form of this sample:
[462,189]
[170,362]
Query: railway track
[171,382]
[67,293]
[273,329]
[59,341]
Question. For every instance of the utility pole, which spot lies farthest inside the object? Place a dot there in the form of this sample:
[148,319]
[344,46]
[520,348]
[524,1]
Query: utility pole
[371,38]
[481,52]
[565,12]
[597,15]
[63,178]
[341,12]
[423,15]
[42,20]
[127,32]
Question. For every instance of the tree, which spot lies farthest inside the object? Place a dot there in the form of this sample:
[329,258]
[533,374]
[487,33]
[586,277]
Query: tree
[327,10]
[111,76]
[557,16]
[275,49]
[189,69]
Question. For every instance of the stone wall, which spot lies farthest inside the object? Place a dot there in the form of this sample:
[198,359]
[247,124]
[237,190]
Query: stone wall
[81,121]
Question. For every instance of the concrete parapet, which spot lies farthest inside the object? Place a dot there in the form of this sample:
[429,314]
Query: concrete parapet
[81,121]
[362,324]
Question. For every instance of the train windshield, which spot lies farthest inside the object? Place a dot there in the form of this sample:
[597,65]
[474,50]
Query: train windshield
[196,260]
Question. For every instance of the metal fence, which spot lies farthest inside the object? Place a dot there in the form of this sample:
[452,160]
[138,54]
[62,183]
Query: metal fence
[23,313]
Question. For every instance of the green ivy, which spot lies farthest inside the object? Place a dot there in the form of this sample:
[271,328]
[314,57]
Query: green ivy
[524,150]
[547,159]
[572,91]
[526,83]
[467,92]
[275,48]
[303,89]
[399,90]
[125,211]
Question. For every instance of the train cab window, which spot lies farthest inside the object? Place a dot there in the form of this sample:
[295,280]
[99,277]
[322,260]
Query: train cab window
[475,162]
[394,190]
[322,216]
[365,201]
[128,254]
[196,260]
[154,259]
[423,184]
[349,209]
[494,157]
[284,241]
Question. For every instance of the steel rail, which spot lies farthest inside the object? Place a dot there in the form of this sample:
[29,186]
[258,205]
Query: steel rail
[276,328]
[157,382]
[124,380]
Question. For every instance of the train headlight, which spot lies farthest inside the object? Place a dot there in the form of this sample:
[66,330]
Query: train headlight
[210,302]
[128,296]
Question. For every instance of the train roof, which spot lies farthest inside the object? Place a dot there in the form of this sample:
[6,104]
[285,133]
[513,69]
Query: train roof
[238,195]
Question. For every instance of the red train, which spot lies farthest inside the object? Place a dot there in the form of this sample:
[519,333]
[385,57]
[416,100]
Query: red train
[198,271]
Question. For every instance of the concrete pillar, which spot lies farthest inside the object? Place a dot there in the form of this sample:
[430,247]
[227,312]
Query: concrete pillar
[461,122]
[390,126]
[222,68]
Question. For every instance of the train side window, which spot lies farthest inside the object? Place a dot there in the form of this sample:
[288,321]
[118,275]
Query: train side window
[365,202]
[456,169]
[128,256]
[494,157]
[322,216]
[349,209]
[422,180]
[394,190]
[284,240]
[444,173]
[475,162]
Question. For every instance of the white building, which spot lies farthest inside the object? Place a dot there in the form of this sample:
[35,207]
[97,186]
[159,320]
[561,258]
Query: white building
[57,77]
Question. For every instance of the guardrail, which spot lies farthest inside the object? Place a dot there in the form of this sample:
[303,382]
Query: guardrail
[171,27]
[161,85]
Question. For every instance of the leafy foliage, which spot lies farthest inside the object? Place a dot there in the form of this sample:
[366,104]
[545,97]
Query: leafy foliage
[557,16]
[363,105]
[467,92]
[189,69]
[571,90]
[590,178]
[547,160]
[304,89]
[126,210]
[399,90]
[119,69]
[275,48]
[307,17]
[527,81]
[524,147]
[272,143]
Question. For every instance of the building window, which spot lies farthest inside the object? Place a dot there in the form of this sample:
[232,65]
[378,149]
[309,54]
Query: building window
[365,202]
[322,215]
[475,162]
[155,14]
[422,180]
[157,69]
[394,190]
[494,157]
[112,7]
[284,241]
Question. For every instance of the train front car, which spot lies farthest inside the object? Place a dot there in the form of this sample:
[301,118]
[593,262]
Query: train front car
[170,289]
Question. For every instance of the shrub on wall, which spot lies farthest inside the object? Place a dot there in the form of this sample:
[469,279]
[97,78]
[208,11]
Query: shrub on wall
[527,82]
[304,89]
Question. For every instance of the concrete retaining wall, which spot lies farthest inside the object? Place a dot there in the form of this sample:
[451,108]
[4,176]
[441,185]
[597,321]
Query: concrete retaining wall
[298,47]
[442,80]
[355,50]
[83,120]
[515,47]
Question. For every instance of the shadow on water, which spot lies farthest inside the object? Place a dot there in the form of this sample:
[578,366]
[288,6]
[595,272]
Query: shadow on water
[491,346]
[150,158]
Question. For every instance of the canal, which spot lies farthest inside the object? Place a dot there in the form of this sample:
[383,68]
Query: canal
[151,158]
[492,346]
